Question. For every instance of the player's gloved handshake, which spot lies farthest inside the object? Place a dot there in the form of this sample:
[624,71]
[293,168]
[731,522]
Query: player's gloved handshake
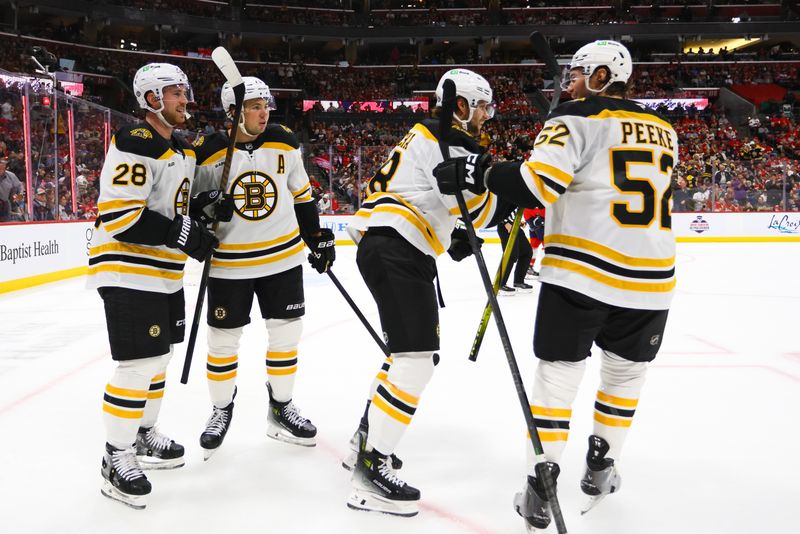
[191,237]
[465,173]
[459,243]
[211,206]
[322,248]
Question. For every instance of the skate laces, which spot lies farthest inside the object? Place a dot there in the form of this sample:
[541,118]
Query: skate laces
[217,422]
[292,415]
[157,440]
[386,471]
[124,461]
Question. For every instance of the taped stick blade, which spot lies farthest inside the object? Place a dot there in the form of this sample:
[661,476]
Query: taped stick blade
[224,62]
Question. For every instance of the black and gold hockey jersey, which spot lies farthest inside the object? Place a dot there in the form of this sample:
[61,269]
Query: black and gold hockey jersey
[266,179]
[142,171]
[404,194]
[602,166]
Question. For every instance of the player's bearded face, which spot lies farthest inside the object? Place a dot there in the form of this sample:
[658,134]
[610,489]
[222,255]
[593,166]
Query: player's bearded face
[479,116]
[256,115]
[175,100]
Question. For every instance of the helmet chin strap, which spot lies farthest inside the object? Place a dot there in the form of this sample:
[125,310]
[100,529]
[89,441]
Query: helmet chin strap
[464,123]
[243,128]
[589,85]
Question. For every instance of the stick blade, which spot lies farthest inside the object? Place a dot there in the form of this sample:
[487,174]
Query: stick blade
[224,62]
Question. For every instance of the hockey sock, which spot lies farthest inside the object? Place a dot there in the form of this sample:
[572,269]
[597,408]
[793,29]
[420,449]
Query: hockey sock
[380,378]
[222,364]
[284,335]
[554,389]
[396,399]
[621,382]
[155,393]
[125,399]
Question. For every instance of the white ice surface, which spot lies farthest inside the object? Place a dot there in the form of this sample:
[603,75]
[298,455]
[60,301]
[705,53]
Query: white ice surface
[713,449]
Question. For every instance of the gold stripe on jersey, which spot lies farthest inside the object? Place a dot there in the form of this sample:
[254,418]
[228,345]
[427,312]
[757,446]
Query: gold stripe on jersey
[119,246]
[304,195]
[620,114]
[169,153]
[485,211]
[596,275]
[260,244]
[392,203]
[471,203]
[542,189]
[127,269]
[233,263]
[277,146]
[113,205]
[213,158]
[556,174]
[123,223]
[608,252]
[424,131]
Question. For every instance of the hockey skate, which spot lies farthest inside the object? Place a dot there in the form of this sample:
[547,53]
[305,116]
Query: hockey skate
[123,479]
[350,460]
[154,450]
[376,487]
[216,429]
[523,288]
[601,477]
[532,504]
[284,423]
[506,291]
[531,274]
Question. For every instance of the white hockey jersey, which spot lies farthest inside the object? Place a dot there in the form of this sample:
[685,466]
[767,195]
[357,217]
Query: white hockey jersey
[141,170]
[602,166]
[267,179]
[404,194]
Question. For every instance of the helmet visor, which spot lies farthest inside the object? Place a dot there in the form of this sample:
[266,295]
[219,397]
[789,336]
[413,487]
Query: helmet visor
[489,108]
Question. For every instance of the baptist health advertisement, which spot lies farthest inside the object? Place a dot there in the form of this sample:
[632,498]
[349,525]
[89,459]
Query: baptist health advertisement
[37,253]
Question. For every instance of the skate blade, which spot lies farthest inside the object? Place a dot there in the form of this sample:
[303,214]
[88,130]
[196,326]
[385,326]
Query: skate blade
[524,290]
[593,501]
[137,502]
[281,434]
[369,502]
[208,453]
[148,463]
[350,461]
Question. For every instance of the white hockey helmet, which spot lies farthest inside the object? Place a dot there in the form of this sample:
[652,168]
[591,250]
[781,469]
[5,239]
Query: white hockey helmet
[610,54]
[155,77]
[253,88]
[470,85]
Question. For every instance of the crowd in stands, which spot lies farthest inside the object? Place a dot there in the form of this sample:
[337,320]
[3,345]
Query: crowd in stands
[753,168]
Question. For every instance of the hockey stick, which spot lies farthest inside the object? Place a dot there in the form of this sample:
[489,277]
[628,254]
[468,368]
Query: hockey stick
[224,62]
[542,471]
[360,315]
[543,52]
[487,310]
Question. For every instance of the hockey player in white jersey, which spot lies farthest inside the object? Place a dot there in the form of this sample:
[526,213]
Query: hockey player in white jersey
[266,214]
[602,166]
[142,239]
[402,227]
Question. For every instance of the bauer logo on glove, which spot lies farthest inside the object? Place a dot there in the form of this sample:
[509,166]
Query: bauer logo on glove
[323,250]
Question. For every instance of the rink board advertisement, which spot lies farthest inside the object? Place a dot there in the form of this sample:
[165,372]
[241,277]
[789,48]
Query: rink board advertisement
[36,253]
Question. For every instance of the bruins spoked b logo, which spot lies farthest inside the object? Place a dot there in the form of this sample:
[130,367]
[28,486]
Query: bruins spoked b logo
[220,313]
[254,195]
[182,198]
[154,331]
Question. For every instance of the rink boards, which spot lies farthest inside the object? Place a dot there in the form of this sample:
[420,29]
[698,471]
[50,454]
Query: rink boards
[37,253]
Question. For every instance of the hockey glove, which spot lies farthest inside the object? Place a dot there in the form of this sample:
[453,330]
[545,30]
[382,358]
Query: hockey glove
[322,250]
[211,206]
[191,237]
[459,244]
[458,174]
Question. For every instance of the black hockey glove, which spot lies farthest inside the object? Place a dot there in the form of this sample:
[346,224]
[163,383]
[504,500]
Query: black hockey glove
[322,248]
[211,206]
[458,174]
[191,237]
[459,244]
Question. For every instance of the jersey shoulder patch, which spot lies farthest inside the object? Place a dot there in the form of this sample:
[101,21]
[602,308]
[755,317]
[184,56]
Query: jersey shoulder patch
[278,133]
[140,140]
[208,145]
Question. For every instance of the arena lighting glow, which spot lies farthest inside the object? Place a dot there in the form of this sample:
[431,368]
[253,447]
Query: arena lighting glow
[71,137]
[718,44]
[26,136]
